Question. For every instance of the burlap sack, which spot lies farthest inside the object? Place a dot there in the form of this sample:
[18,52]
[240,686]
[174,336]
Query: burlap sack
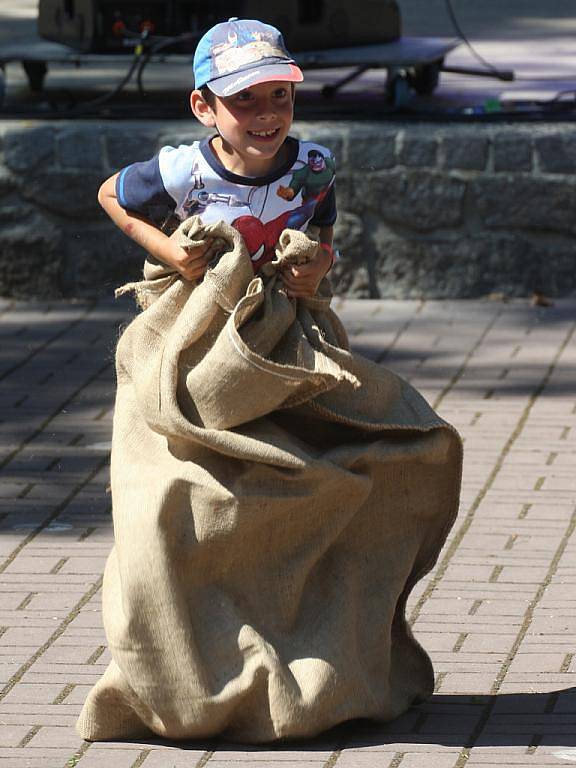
[275,499]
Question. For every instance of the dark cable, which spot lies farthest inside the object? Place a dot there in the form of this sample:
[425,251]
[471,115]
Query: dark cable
[157,47]
[105,98]
[501,74]
[146,48]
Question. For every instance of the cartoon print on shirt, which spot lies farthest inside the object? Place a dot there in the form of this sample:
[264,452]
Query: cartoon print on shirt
[260,238]
[197,201]
[196,176]
[313,181]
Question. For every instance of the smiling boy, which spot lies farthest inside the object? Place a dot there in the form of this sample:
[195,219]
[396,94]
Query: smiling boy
[244,88]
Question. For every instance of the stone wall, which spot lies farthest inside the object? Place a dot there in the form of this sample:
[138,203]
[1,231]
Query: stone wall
[425,210]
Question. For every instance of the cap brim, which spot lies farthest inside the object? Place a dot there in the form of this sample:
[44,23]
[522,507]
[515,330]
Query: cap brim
[228,85]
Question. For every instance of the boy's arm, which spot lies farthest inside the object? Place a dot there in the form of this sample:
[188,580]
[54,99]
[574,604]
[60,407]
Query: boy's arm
[304,279]
[190,262]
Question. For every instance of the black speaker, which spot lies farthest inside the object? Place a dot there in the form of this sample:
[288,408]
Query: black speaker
[107,26]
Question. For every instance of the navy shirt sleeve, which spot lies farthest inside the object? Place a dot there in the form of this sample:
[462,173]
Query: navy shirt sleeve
[325,212]
[140,188]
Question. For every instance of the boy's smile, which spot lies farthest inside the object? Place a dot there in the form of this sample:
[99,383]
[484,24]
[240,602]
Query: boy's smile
[252,126]
[265,134]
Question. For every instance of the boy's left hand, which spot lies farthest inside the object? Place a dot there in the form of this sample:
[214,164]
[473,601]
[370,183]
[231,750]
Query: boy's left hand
[304,279]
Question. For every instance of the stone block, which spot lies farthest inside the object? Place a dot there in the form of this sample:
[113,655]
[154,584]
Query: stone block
[68,193]
[512,152]
[421,200]
[174,138]
[98,260]
[15,213]
[459,268]
[350,274]
[466,153]
[345,186]
[124,148]
[30,260]
[397,269]
[80,148]
[28,149]
[556,153]
[8,183]
[418,151]
[371,150]
[478,266]
[557,275]
[526,203]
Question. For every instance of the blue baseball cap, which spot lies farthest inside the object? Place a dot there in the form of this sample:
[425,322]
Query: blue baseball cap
[239,53]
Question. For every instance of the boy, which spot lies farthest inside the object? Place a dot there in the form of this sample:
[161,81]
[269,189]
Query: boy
[251,174]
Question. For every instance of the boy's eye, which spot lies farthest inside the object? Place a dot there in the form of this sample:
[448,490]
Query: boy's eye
[244,96]
[280,93]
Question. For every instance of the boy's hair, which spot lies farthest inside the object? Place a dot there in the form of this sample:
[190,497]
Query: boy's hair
[239,53]
[208,96]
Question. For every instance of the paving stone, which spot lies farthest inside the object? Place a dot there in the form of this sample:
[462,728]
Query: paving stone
[416,744]
[260,756]
[360,760]
[429,761]
[32,758]
[77,696]
[175,758]
[43,693]
[12,735]
[23,636]
[51,736]
[98,756]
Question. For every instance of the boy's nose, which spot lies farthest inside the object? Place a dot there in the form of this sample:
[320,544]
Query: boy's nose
[266,110]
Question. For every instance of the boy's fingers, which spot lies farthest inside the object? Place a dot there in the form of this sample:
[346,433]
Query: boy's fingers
[198,249]
[300,289]
[299,277]
[193,270]
[197,258]
[302,270]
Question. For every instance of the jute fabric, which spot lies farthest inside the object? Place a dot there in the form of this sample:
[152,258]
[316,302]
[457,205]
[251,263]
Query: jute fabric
[275,499]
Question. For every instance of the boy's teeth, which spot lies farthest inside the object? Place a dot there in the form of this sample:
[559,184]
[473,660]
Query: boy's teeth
[264,133]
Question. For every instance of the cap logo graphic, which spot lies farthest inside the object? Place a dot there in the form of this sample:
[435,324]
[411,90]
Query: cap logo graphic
[230,56]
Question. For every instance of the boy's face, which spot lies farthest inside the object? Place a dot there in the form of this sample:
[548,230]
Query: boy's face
[253,125]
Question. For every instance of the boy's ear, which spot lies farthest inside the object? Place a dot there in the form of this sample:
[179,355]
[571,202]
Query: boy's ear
[202,110]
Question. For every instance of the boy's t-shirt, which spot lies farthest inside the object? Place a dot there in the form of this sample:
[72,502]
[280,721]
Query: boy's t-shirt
[189,179]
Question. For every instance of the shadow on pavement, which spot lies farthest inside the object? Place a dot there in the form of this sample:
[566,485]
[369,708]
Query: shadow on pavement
[466,721]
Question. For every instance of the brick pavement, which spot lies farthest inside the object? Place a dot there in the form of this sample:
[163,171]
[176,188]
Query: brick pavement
[498,614]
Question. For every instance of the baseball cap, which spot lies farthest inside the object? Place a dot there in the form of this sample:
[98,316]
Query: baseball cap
[239,53]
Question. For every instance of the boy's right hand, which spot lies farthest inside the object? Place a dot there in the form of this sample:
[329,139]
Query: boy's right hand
[190,262]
